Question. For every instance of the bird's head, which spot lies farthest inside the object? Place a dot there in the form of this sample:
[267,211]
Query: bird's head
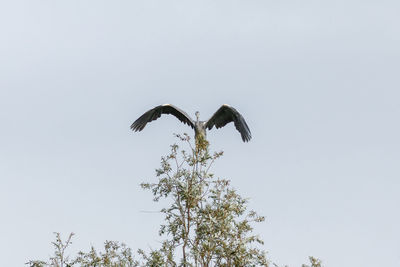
[197,115]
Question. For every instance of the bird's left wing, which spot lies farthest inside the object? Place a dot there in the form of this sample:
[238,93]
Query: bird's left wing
[226,114]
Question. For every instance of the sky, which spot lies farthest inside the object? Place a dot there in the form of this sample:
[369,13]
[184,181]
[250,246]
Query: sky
[316,81]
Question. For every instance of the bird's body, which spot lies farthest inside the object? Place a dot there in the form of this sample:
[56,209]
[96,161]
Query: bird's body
[224,115]
[199,128]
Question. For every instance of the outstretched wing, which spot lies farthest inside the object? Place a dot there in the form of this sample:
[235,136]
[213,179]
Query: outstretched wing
[226,114]
[156,112]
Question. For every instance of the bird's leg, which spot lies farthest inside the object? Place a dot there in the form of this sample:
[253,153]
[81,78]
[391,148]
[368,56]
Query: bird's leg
[201,145]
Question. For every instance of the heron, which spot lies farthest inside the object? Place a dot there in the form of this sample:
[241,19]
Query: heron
[224,115]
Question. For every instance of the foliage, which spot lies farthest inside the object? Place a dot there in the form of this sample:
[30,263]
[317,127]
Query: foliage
[314,262]
[59,259]
[115,254]
[207,223]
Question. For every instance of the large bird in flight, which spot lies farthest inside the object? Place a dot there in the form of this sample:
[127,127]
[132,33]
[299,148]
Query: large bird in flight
[224,115]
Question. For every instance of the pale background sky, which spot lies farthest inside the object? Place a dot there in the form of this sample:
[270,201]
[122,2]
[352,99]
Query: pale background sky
[317,81]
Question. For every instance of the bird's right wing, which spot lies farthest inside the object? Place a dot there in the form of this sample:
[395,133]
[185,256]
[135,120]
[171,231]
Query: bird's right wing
[156,112]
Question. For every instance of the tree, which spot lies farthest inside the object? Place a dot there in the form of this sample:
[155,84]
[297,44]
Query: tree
[59,259]
[115,254]
[207,223]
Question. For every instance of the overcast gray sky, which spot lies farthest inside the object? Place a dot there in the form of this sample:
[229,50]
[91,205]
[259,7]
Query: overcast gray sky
[317,81]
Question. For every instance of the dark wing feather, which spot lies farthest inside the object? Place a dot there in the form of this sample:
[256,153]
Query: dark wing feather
[156,112]
[226,114]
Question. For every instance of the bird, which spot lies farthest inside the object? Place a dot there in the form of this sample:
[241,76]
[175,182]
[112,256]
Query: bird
[224,115]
